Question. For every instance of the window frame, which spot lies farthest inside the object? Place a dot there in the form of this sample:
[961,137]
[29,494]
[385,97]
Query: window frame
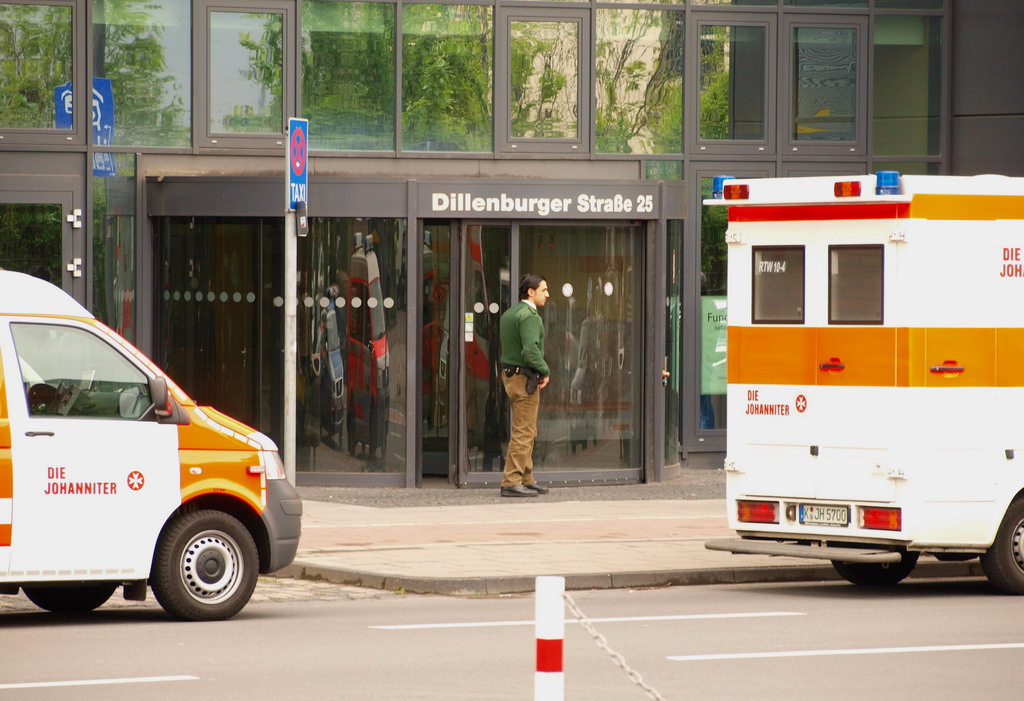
[148,414]
[787,54]
[81,125]
[695,145]
[203,137]
[803,284]
[504,142]
[832,321]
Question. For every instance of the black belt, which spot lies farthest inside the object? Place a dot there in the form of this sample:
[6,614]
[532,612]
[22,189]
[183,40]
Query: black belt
[511,370]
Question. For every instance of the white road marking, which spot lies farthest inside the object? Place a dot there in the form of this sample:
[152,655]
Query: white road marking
[99,682]
[862,651]
[629,619]
[582,519]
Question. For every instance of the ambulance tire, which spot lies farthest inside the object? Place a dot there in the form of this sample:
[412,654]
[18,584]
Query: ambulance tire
[78,598]
[1003,562]
[222,546]
[878,574]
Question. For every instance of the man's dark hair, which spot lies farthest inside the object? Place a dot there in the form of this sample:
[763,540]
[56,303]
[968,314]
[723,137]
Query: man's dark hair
[529,281]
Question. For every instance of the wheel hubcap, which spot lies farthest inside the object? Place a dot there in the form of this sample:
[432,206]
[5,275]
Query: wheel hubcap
[1017,545]
[211,567]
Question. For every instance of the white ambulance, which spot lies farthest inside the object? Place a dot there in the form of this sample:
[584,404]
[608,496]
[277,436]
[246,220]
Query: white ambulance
[876,372]
[111,476]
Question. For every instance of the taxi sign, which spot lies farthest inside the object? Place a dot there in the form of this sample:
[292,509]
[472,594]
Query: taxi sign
[296,184]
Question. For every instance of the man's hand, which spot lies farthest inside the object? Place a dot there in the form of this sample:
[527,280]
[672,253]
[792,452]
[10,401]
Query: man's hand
[543,382]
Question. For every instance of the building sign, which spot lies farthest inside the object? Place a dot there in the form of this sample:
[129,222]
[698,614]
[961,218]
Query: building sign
[296,185]
[548,200]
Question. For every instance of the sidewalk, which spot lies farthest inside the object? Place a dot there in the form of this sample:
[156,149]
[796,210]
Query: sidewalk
[500,548]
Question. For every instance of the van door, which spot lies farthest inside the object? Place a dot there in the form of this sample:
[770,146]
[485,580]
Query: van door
[95,476]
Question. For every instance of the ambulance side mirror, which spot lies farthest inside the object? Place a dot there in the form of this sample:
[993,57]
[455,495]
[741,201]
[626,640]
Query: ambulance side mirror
[167,410]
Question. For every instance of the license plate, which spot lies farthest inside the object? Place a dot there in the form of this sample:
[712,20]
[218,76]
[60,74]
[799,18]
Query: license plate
[823,515]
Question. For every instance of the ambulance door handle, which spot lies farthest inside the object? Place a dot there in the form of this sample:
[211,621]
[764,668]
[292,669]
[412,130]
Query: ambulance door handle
[33,434]
[833,364]
[948,366]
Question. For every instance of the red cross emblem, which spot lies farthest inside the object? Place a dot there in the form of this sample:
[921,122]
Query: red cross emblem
[136,480]
[801,403]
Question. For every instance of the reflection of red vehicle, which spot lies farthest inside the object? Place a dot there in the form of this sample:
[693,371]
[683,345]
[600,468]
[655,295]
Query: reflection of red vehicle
[368,355]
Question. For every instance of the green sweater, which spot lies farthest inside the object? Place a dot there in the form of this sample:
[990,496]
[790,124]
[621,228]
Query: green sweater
[522,338]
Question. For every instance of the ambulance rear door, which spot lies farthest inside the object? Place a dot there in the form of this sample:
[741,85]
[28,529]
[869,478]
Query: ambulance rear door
[812,363]
[770,362]
[856,398]
[95,476]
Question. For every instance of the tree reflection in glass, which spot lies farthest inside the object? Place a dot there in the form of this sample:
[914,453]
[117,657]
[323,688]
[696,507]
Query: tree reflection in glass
[638,78]
[36,45]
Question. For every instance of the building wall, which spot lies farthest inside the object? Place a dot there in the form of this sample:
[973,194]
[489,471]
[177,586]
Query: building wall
[988,90]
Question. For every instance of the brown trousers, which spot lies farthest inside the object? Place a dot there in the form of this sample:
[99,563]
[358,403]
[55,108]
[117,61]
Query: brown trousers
[519,459]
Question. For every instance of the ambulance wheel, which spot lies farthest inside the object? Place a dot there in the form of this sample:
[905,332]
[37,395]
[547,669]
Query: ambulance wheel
[1003,562]
[205,566]
[874,574]
[79,598]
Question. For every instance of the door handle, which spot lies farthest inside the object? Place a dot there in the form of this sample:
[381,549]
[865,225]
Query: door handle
[833,364]
[33,434]
[948,367]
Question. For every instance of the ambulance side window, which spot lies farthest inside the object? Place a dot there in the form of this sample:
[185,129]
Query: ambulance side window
[68,371]
[855,284]
[778,285]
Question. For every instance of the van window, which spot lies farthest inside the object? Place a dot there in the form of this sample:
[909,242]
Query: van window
[855,284]
[778,285]
[68,371]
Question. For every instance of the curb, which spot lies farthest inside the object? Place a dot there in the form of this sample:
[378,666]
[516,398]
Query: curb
[522,584]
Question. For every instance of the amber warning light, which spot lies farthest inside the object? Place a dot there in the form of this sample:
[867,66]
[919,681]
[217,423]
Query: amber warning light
[847,188]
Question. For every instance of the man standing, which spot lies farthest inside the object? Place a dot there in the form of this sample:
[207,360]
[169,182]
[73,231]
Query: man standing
[522,352]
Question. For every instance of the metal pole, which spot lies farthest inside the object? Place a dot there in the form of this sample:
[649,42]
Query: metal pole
[549,610]
[290,342]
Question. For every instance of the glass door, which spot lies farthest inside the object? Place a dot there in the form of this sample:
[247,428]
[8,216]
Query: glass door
[219,309]
[590,413]
[486,293]
[37,237]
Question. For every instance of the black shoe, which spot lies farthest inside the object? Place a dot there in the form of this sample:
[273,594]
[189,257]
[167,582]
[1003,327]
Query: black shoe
[517,490]
[537,488]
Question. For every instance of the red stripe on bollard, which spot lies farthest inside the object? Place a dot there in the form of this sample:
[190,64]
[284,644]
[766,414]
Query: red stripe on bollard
[549,655]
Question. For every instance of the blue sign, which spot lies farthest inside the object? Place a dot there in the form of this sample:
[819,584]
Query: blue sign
[103,165]
[297,189]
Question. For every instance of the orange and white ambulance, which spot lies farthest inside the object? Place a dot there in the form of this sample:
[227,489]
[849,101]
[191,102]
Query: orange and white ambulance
[876,372]
[111,476]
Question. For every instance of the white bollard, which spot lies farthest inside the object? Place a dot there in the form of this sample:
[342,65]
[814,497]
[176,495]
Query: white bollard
[549,679]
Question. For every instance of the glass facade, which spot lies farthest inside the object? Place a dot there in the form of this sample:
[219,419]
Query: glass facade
[246,58]
[348,75]
[447,70]
[219,313]
[114,246]
[638,77]
[36,49]
[137,48]
[824,73]
[673,338]
[409,90]
[907,85]
[352,346]
[714,313]
[545,79]
[30,239]
[733,91]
